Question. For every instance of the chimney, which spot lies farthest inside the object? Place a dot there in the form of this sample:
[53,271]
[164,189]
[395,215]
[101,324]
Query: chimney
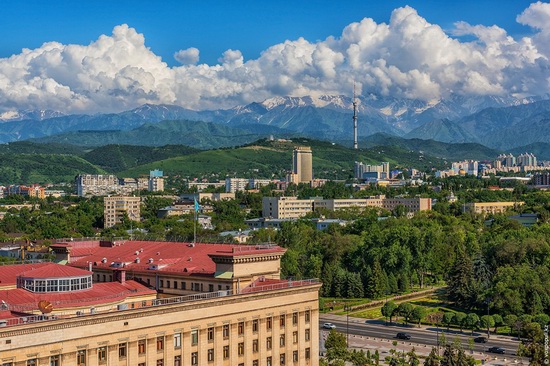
[120,276]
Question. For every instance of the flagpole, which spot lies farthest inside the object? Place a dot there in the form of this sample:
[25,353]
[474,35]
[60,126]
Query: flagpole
[196,210]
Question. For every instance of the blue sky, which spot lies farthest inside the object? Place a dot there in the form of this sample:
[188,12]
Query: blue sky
[108,56]
[215,26]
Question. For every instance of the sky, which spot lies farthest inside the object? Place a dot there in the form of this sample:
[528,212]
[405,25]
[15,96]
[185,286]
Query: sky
[97,56]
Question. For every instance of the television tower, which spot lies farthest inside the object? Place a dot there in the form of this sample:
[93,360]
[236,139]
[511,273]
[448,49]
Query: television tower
[354,119]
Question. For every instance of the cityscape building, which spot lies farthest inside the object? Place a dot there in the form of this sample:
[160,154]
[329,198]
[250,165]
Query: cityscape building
[302,168]
[225,306]
[292,207]
[117,207]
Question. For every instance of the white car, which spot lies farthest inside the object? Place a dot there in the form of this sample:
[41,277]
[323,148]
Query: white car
[329,326]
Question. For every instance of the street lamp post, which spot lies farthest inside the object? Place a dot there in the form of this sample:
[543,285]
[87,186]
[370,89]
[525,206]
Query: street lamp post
[347,308]
[487,301]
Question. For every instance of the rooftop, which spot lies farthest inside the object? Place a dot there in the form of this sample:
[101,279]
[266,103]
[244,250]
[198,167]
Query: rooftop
[185,258]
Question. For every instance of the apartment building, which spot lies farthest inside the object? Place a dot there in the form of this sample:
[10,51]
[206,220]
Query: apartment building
[292,208]
[259,320]
[115,208]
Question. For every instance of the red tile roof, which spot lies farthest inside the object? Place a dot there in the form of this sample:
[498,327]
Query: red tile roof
[100,293]
[54,270]
[169,256]
[9,273]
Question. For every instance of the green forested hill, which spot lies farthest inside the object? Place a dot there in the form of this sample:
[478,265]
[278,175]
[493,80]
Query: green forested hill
[116,158]
[274,158]
[200,135]
[42,168]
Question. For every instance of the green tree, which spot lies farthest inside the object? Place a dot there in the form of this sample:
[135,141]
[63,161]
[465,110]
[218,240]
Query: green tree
[498,321]
[376,286]
[337,349]
[448,318]
[417,314]
[433,359]
[487,321]
[405,309]
[388,309]
[459,319]
[472,321]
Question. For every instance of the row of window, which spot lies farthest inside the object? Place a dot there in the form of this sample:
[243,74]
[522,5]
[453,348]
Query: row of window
[122,353]
[55,284]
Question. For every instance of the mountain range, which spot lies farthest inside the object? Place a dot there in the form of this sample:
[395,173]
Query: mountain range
[501,123]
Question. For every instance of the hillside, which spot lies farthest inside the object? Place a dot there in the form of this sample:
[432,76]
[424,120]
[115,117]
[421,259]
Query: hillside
[451,151]
[266,159]
[42,168]
[116,158]
[200,135]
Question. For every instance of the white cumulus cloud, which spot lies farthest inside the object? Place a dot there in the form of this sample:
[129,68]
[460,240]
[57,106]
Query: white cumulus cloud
[189,56]
[406,57]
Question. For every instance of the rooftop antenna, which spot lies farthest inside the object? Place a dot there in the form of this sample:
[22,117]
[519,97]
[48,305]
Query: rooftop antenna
[354,119]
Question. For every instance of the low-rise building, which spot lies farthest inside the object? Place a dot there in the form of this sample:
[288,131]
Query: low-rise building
[490,207]
[292,208]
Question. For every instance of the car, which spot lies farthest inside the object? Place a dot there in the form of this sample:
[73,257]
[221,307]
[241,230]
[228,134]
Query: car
[480,340]
[497,350]
[401,335]
[329,326]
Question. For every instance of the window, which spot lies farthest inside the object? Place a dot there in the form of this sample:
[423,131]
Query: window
[294,318]
[241,349]
[80,358]
[295,356]
[122,350]
[160,343]
[161,283]
[225,352]
[294,337]
[255,325]
[269,323]
[167,284]
[255,363]
[282,340]
[268,361]
[102,354]
[194,358]
[141,347]
[177,340]
[211,355]
[255,345]
[194,337]
[32,362]
[241,328]
[176,285]
[177,360]
[226,331]
[308,353]
[308,335]
[210,288]
[54,360]
[211,334]
[307,315]
[141,364]
[282,321]
[268,343]
[282,359]
[160,362]
[183,285]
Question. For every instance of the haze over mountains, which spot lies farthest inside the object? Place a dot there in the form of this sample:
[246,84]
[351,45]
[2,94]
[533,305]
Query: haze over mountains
[496,122]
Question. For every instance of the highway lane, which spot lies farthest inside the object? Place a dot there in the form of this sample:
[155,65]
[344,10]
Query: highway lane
[418,335]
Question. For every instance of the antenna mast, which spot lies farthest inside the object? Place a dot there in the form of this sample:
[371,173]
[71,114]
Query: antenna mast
[354,119]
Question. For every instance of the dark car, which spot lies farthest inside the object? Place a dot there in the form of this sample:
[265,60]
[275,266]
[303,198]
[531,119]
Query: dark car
[480,340]
[497,350]
[403,336]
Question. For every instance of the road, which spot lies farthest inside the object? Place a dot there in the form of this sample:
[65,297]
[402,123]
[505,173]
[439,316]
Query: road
[427,336]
